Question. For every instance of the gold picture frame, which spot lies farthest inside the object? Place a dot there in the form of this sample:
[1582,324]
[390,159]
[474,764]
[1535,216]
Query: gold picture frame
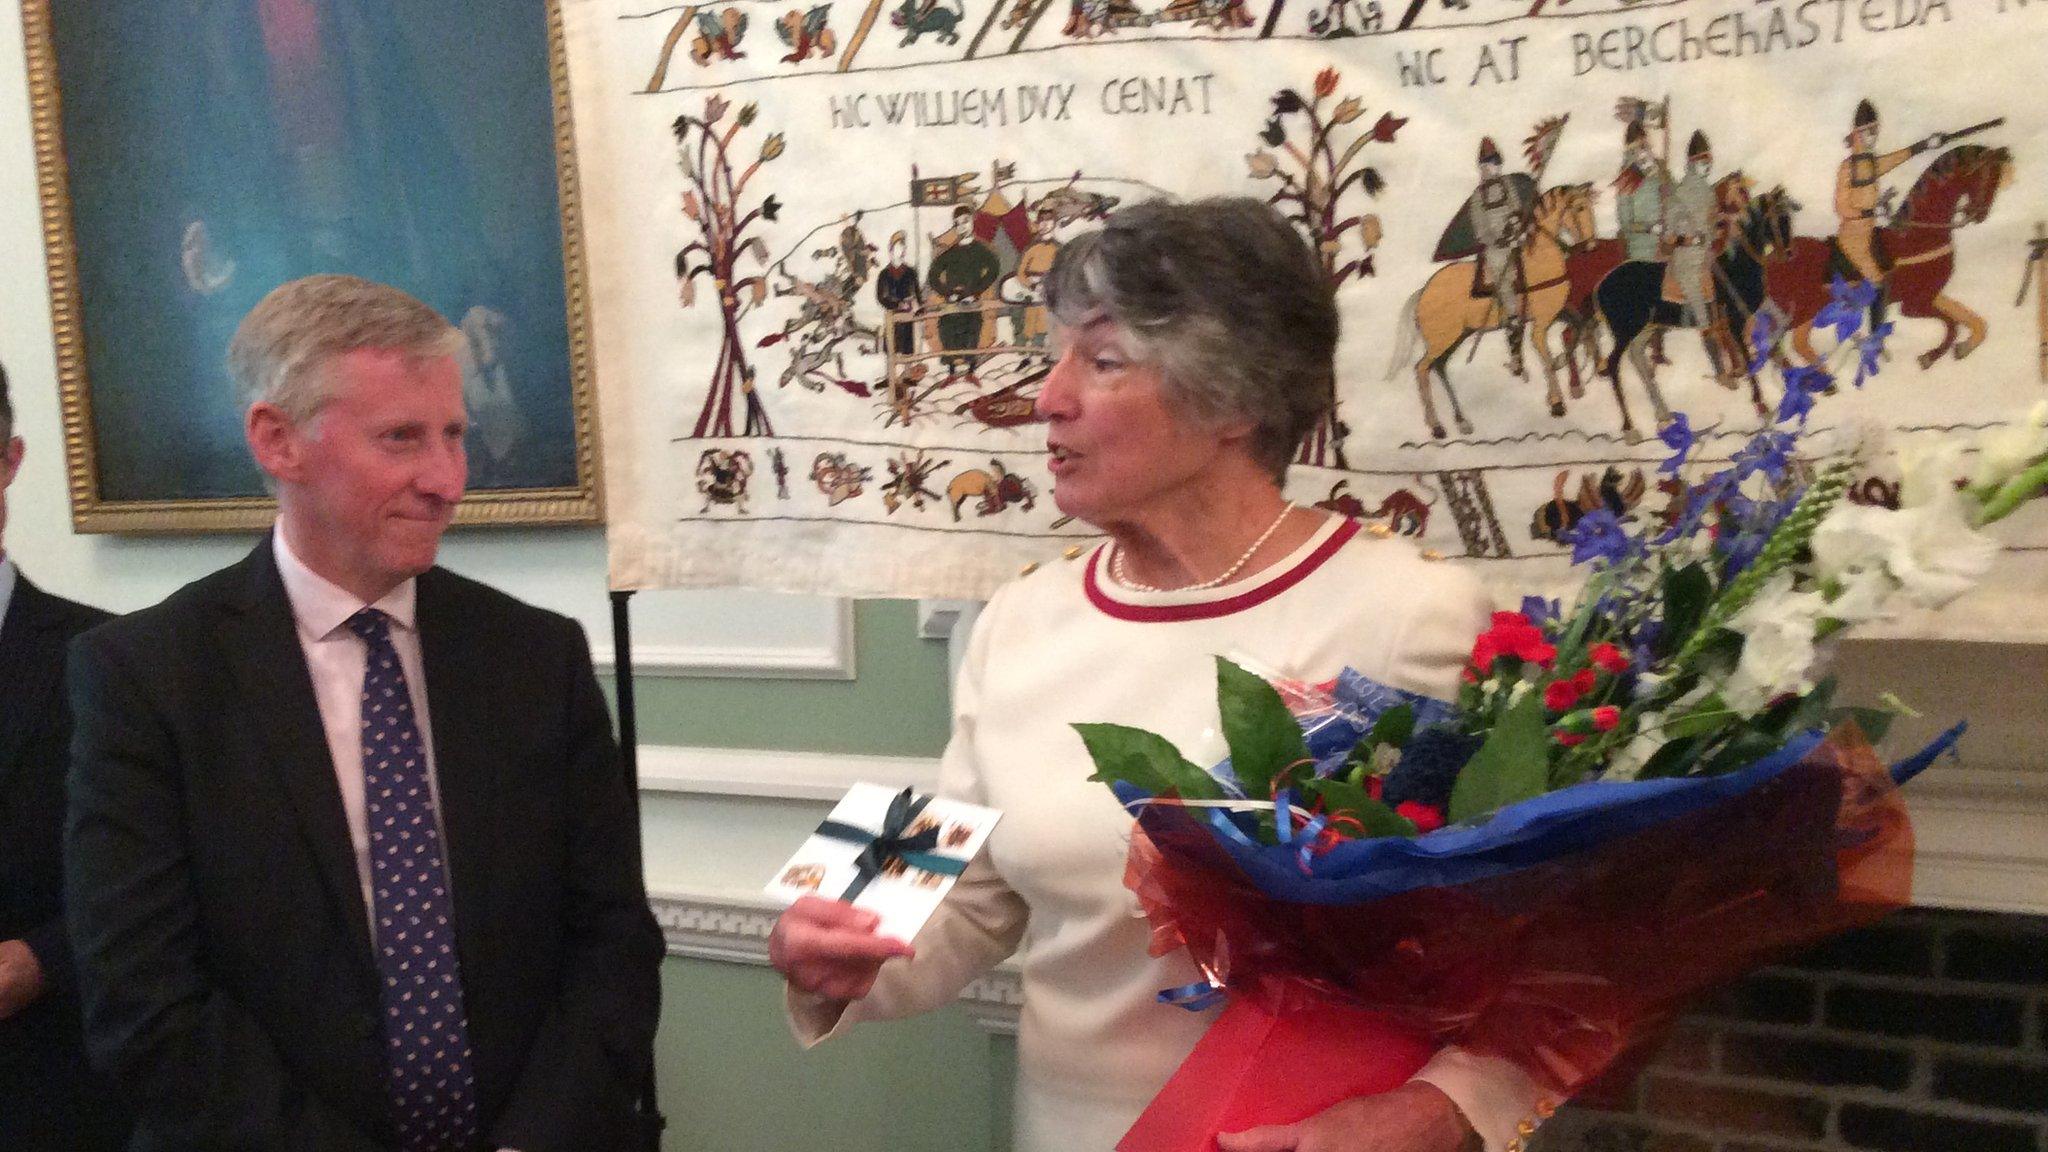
[550,474]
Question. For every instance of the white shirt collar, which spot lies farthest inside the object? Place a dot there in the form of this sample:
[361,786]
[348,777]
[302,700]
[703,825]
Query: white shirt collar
[320,607]
[7,582]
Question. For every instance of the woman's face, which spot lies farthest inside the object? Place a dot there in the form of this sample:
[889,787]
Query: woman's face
[1117,445]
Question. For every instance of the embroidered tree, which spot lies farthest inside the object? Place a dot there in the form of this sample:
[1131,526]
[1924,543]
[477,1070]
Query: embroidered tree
[712,201]
[1319,187]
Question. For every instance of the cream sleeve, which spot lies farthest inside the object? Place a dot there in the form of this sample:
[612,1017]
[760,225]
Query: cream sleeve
[981,920]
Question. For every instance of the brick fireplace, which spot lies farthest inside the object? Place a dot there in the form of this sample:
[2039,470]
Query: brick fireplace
[1926,1033]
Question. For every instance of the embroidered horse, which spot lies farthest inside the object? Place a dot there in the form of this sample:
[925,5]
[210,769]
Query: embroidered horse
[1446,312]
[1957,190]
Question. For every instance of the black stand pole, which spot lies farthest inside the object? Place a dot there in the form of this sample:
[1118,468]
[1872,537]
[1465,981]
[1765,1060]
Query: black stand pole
[629,756]
[622,657]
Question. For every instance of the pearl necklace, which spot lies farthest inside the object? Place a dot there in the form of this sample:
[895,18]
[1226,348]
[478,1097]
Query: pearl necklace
[1116,562]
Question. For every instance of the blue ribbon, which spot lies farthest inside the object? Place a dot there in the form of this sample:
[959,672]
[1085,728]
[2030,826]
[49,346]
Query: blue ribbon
[891,843]
[1200,996]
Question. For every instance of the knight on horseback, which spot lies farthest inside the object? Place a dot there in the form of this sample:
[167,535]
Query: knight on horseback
[1641,191]
[1859,197]
[1695,224]
[1493,222]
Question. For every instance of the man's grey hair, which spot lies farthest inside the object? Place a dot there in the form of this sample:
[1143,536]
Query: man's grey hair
[1226,298]
[281,346]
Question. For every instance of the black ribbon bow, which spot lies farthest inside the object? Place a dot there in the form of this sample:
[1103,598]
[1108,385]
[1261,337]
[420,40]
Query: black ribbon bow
[892,843]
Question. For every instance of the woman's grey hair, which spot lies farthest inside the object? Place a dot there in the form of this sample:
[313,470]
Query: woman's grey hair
[1226,298]
[278,351]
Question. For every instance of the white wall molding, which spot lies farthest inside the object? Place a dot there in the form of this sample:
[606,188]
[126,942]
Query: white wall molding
[734,929]
[831,657]
[1981,839]
[775,775]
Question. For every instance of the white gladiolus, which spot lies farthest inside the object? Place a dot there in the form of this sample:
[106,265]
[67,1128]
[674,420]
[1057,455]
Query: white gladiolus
[1777,645]
[1865,596]
[2003,453]
[1928,472]
[1930,549]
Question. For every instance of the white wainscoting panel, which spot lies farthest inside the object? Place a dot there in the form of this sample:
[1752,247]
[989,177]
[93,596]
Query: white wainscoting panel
[734,929]
[753,635]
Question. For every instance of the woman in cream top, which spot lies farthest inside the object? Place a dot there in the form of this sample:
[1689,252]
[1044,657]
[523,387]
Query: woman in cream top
[1197,349]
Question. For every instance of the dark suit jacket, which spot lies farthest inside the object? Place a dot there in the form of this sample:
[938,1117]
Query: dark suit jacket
[50,1100]
[223,944]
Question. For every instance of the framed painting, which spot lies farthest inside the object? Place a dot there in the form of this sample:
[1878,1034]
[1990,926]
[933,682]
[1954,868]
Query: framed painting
[194,154]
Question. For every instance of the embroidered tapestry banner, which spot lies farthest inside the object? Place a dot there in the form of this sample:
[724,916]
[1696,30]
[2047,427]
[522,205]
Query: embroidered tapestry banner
[817,233]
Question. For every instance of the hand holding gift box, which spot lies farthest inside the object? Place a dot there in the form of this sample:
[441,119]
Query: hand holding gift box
[891,853]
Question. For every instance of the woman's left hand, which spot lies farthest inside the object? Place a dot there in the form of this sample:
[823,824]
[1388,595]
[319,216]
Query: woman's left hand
[1416,1117]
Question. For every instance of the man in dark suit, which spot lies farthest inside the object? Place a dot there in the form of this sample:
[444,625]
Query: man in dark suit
[353,865]
[49,1100]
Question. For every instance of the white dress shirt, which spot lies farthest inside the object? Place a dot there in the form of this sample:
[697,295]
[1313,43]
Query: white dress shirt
[337,657]
[7,579]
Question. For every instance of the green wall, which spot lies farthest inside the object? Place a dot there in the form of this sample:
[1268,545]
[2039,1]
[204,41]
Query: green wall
[731,1077]
[897,705]
[733,1080]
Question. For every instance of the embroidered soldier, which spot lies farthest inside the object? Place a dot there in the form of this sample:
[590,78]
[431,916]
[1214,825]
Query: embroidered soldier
[1859,195]
[961,277]
[1492,225]
[1691,221]
[1641,192]
[897,291]
[1032,266]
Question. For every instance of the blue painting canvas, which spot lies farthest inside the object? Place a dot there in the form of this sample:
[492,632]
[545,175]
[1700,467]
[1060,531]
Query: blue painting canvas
[218,148]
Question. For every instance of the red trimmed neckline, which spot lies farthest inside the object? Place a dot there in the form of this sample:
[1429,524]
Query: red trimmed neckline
[1211,609]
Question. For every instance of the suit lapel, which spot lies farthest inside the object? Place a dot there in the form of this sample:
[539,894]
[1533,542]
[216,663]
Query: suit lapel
[261,648]
[26,669]
[457,654]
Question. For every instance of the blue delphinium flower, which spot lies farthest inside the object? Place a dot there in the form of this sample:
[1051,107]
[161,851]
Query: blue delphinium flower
[1763,336]
[1871,351]
[1698,499]
[1678,437]
[1429,767]
[1541,612]
[1768,452]
[1848,302]
[1802,384]
[1598,535]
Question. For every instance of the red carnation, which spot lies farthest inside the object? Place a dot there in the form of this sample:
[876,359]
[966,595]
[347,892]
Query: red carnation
[1424,817]
[1606,717]
[1570,739]
[1512,635]
[1608,657]
[1560,695]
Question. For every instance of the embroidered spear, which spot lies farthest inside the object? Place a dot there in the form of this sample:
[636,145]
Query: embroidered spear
[2037,269]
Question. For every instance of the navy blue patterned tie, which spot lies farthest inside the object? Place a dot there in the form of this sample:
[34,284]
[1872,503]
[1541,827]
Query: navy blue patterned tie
[429,1075]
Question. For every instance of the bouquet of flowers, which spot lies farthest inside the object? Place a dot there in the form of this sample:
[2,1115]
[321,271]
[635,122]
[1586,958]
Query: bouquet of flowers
[1634,798]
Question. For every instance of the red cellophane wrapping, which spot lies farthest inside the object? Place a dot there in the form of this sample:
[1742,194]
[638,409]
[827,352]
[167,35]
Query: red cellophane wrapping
[1572,968]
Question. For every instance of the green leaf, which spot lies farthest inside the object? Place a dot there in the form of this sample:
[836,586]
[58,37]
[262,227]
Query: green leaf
[1687,591]
[1348,799]
[1708,716]
[1146,760]
[1588,609]
[1394,727]
[1513,764]
[1718,654]
[1744,749]
[1874,722]
[1264,739]
[1673,759]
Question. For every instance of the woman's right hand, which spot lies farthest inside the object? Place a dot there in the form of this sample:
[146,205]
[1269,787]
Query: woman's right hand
[829,948]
